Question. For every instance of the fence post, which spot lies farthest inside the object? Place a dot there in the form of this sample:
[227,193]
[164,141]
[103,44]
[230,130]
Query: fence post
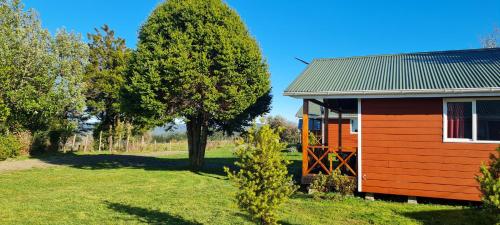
[142,143]
[100,141]
[128,139]
[110,139]
[73,144]
[85,143]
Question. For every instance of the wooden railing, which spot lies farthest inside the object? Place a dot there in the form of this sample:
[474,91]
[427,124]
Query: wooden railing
[327,159]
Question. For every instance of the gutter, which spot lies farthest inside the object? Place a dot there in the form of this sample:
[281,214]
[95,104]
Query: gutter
[493,91]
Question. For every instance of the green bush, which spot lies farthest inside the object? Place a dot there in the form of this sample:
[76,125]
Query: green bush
[262,180]
[9,147]
[323,185]
[489,181]
[289,132]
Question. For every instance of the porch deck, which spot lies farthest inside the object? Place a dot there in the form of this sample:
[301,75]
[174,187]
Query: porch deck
[320,157]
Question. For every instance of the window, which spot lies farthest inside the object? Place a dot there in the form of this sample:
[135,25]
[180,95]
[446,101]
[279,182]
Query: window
[314,124]
[354,125]
[488,120]
[472,120]
[460,120]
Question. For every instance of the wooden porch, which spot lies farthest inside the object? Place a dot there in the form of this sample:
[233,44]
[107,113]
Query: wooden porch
[322,157]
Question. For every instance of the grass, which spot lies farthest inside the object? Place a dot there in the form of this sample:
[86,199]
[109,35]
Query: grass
[101,189]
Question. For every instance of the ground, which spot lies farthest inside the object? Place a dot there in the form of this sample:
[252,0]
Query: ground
[158,189]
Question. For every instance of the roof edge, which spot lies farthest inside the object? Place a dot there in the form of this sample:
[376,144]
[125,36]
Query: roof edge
[409,53]
[457,92]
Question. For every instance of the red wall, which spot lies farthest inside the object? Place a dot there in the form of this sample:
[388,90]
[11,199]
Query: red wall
[403,151]
[348,139]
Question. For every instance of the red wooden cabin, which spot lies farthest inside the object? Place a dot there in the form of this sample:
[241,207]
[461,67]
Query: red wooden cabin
[426,121]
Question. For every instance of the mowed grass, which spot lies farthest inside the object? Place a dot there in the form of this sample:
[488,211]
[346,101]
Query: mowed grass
[148,190]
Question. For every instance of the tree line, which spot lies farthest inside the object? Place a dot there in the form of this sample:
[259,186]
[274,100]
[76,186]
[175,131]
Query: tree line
[195,61]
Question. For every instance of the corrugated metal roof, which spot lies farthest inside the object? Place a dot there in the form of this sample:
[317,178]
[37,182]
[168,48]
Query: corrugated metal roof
[426,72]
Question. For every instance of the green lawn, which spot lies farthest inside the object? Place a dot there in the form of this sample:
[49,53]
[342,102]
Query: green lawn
[146,190]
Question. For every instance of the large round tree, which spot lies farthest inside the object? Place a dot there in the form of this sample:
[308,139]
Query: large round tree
[196,60]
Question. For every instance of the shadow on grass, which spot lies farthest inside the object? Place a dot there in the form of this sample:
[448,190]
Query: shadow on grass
[249,218]
[465,216]
[149,216]
[213,166]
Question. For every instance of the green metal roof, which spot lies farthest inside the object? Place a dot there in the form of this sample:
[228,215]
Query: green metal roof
[465,72]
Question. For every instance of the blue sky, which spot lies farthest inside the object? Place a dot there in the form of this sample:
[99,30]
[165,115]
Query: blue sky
[306,29]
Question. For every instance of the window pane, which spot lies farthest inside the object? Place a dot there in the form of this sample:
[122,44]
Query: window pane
[354,125]
[488,120]
[459,120]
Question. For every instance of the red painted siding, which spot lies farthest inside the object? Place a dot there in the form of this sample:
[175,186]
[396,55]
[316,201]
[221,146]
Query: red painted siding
[403,151]
[348,139]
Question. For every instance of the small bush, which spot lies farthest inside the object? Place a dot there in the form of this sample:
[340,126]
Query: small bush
[322,185]
[263,181]
[9,147]
[289,132]
[343,184]
[489,182]
[24,138]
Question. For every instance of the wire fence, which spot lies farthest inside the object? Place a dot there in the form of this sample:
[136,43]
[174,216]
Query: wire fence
[134,144]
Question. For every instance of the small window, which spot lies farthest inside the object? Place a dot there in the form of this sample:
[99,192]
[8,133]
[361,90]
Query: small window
[472,120]
[354,125]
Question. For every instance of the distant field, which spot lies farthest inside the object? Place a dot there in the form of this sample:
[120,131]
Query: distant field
[134,189]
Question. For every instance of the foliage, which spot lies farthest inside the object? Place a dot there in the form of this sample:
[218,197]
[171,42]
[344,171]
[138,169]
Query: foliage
[105,76]
[196,60]
[489,181]
[9,147]
[26,62]
[289,130]
[71,59]
[322,185]
[313,139]
[491,40]
[262,180]
[40,75]
[170,136]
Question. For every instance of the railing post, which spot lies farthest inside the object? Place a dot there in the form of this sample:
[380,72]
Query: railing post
[340,128]
[305,136]
[325,127]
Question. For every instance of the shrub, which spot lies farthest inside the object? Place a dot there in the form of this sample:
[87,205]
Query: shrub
[24,138]
[343,184]
[9,147]
[323,185]
[489,181]
[262,180]
[289,132]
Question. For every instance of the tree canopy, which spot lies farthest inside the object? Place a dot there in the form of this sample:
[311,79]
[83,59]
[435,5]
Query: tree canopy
[105,76]
[40,75]
[196,60]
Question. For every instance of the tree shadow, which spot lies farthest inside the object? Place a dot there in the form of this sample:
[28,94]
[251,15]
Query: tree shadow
[465,216]
[213,166]
[148,215]
[295,169]
[249,218]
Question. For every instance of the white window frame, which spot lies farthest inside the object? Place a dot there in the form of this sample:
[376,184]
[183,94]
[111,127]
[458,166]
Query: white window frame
[474,121]
[350,125]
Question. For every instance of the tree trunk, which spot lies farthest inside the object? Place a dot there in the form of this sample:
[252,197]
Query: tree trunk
[197,132]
